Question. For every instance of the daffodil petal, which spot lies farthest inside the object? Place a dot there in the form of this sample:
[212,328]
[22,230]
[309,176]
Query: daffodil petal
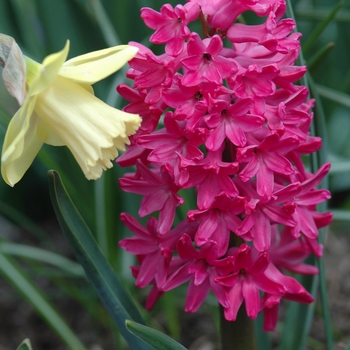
[21,144]
[47,135]
[91,129]
[87,87]
[48,70]
[17,129]
[97,65]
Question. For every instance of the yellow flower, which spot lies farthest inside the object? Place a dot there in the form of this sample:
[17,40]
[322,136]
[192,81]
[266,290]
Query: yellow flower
[60,108]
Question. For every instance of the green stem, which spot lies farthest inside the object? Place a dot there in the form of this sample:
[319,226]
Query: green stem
[237,335]
[240,334]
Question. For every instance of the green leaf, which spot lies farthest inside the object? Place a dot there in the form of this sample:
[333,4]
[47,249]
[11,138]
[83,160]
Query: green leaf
[333,95]
[117,302]
[262,338]
[318,14]
[42,255]
[106,27]
[156,339]
[25,345]
[341,215]
[319,56]
[32,294]
[321,27]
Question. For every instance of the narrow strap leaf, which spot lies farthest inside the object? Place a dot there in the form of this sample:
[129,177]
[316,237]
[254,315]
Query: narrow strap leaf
[35,298]
[321,27]
[156,339]
[25,345]
[112,294]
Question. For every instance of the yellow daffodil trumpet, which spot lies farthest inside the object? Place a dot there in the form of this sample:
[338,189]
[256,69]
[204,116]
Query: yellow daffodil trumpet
[58,107]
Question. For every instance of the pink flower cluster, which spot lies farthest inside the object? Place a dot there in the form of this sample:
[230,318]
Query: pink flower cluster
[224,123]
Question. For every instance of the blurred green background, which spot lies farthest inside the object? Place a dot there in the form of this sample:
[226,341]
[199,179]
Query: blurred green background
[27,221]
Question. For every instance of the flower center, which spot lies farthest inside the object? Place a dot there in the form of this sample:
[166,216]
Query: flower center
[198,96]
[207,57]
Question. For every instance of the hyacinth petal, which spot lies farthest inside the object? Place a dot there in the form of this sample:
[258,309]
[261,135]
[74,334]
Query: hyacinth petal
[223,18]
[167,215]
[151,17]
[294,290]
[134,226]
[207,227]
[288,192]
[95,66]
[221,236]
[180,276]
[195,48]
[303,269]
[314,180]
[307,223]
[215,45]
[207,191]
[261,232]
[166,33]
[216,138]
[313,197]
[270,317]
[219,290]
[236,298]
[277,163]
[196,295]
[250,169]
[278,214]
[192,11]
[21,144]
[138,246]
[250,122]
[322,219]
[264,179]
[154,201]
[235,134]
[246,225]
[243,258]
[139,187]
[185,248]
[268,284]
[251,297]
[153,297]
[260,264]
[148,269]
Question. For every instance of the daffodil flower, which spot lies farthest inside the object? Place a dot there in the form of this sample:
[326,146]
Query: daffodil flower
[58,107]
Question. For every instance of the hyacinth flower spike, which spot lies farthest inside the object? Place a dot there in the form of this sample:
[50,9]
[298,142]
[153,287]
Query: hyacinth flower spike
[58,107]
[227,155]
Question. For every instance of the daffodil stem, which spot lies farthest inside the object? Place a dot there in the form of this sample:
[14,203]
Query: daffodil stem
[237,335]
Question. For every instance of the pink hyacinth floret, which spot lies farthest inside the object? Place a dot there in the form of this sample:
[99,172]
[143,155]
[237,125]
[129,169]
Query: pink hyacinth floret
[218,159]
